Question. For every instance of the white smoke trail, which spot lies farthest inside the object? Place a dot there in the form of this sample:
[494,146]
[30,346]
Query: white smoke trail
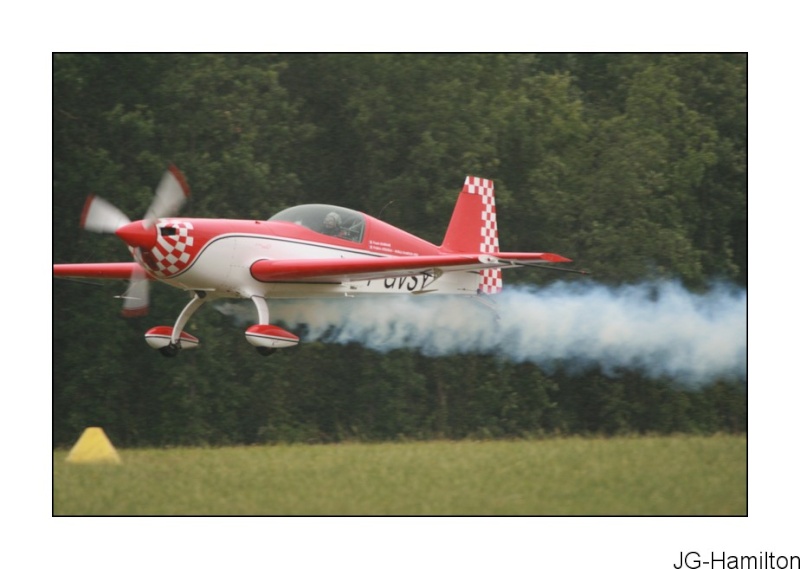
[660,329]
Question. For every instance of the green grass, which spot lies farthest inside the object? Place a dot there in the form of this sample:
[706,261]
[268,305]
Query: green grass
[678,475]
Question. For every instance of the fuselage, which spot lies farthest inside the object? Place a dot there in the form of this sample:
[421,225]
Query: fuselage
[215,255]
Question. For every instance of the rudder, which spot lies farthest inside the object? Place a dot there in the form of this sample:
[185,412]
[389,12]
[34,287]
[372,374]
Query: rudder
[473,228]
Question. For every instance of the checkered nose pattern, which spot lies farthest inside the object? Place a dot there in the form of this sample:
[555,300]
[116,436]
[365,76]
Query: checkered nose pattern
[491,280]
[174,249]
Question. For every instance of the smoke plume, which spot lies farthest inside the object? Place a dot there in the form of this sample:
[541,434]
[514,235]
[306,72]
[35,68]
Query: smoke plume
[660,329]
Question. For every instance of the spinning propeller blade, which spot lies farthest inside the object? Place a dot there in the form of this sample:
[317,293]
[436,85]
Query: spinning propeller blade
[171,192]
[136,300]
[102,217]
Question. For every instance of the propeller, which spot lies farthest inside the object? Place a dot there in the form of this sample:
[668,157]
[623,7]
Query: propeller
[100,216]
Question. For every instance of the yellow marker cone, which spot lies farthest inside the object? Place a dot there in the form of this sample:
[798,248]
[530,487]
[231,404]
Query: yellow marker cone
[93,448]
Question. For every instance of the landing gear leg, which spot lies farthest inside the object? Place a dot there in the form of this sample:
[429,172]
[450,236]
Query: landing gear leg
[262,308]
[197,301]
[170,340]
[266,337]
[175,346]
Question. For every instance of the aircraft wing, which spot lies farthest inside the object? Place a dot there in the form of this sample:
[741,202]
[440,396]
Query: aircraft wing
[366,268]
[97,270]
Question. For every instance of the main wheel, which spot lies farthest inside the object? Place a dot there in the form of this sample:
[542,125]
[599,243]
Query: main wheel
[170,351]
[266,351]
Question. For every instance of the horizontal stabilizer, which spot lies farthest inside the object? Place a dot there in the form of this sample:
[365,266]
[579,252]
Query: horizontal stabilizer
[529,258]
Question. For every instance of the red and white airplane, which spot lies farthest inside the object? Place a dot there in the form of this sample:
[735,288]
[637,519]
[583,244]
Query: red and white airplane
[304,251]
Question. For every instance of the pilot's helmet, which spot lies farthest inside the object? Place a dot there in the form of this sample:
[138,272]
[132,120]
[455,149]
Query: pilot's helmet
[332,220]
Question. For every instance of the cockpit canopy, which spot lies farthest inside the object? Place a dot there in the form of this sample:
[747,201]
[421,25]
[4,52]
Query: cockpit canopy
[326,219]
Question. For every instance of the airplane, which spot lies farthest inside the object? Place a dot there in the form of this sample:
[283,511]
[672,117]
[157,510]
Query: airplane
[311,250]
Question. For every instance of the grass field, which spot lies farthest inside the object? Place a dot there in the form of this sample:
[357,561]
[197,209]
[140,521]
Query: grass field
[678,475]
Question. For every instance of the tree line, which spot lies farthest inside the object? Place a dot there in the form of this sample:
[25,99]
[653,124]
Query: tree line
[633,165]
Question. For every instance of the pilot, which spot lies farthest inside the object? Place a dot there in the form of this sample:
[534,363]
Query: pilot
[332,225]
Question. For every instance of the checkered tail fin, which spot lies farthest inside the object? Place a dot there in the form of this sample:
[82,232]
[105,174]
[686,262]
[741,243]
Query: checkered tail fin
[473,228]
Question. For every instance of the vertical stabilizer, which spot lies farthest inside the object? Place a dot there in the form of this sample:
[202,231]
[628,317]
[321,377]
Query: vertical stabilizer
[473,228]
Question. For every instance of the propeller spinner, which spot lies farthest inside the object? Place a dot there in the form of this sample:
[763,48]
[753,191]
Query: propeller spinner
[100,216]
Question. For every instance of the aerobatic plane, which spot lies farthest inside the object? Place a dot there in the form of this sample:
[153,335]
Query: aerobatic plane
[305,251]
